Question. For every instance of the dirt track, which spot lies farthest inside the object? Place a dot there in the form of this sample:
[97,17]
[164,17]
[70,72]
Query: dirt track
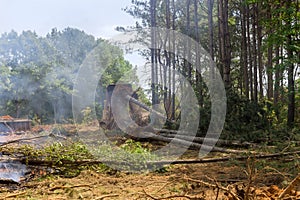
[175,182]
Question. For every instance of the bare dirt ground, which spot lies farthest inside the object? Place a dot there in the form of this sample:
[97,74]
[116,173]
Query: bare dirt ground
[179,182]
[255,179]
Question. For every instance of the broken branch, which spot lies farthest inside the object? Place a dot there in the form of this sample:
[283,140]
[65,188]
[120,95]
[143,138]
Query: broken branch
[292,185]
[149,163]
[234,196]
[68,187]
[106,196]
[30,138]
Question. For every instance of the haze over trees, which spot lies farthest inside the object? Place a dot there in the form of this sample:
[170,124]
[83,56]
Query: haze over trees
[38,73]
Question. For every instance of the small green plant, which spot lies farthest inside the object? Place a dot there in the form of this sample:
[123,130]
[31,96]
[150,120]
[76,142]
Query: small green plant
[60,152]
[130,156]
[69,158]
[134,147]
[60,156]
[87,115]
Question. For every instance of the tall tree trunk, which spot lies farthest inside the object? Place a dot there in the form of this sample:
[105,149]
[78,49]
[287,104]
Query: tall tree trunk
[227,46]
[291,82]
[259,51]
[187,65]
[225,41]
[249,52]
[278,87]
[282,70]
[167,68]
[210,4]
[269,67]
[270,90]
[220,41]
[244,57]
[154,69]
[277,82]
[254,35]
[291,86]
[173,60]
[199,81]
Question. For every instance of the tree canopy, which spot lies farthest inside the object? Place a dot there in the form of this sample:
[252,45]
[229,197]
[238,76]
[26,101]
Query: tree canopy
[255,44]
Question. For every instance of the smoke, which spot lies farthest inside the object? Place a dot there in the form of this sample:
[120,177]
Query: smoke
[37,73]
[13,171]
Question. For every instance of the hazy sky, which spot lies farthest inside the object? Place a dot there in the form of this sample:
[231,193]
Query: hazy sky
[96,17]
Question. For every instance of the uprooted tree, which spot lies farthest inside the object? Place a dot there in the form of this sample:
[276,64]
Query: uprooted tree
[123,111]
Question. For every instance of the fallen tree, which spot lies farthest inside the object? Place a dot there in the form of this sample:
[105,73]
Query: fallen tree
[62,162]
[221,142]
[126,98]
[224,159]
[184,143]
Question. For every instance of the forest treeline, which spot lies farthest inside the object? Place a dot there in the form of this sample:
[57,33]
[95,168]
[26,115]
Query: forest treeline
[255,45]
[38,73]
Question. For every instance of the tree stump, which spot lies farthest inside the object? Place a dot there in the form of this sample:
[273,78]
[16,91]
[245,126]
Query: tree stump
[121,91]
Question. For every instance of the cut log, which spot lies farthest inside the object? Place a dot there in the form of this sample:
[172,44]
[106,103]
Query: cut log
[224,159]
[210,140]
[193,145]
[137,133]
[173,131]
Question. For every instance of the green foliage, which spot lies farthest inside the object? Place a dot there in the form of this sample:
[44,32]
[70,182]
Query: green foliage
[64,157]
[87,115]
[60,152]
[60,156]
[134,147]
[278,22]
[247,120]
[257,121]
[130,156]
